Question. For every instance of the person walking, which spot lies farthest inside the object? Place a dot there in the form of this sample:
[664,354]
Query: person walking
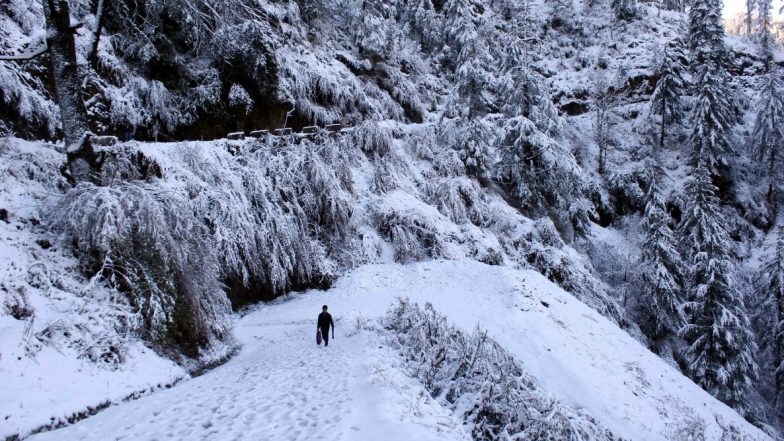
[323,324]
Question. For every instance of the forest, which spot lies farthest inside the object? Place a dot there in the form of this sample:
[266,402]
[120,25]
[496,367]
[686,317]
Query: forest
[178,161]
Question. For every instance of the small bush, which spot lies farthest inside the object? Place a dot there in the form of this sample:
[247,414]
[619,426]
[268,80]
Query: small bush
[476,377]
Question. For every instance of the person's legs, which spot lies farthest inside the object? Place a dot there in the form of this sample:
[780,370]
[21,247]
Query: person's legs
[325,336]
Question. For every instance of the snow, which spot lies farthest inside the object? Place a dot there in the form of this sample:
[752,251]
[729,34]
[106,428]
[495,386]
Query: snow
[283,386]
[65,353]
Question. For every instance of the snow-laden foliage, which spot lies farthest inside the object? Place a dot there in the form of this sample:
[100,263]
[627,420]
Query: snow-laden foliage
[660,270]
[706,33]
[767,140]
[150,245]
[473,140]
[543,249]
[712,118]
[671,84]
[541,173]
[625,10]
[721,347]
[772,317]
[481,381]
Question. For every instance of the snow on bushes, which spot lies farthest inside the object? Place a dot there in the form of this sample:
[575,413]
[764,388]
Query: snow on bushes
[150,245]
[542,248]
[481,381]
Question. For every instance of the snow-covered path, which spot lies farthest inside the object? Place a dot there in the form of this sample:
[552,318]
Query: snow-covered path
[281,386]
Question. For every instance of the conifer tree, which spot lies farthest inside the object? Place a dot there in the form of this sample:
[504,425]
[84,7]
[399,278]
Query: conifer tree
[666,100]
[522,91]
[773,308]
[721,348]
[474,140]
[764,38]
[624,10]
[713,118]
[767,141]
[661,271]
[706,32]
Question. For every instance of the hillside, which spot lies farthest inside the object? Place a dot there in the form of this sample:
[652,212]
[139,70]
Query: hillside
[359,386]
[612,168]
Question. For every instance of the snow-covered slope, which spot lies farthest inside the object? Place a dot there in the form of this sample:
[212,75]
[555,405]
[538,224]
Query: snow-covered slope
[65,345]
[283,386]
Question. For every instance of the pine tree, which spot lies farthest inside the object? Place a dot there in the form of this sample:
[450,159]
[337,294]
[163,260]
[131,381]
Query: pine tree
[625,10]
[474,139]
[706,32]
[764,38]
[717,329]
[713,118]
[767,141]
[661,271]
[773,308]
[671,85]
[521,89]
[471,59]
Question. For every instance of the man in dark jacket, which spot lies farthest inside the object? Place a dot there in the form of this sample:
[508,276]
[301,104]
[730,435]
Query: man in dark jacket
[324,322]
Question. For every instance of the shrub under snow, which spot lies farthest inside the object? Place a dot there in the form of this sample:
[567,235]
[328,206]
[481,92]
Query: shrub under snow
[150,245]
[482,382]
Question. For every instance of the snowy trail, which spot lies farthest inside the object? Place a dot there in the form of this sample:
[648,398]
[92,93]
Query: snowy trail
[281,386]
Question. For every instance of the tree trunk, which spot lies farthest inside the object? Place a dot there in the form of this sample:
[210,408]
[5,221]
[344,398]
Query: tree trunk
[92,57]
[663,123]
[82,159]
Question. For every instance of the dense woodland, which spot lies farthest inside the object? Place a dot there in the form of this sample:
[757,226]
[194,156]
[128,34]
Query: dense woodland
[505,131]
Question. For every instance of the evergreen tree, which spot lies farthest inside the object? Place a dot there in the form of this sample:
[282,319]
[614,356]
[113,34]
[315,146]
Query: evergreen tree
[706,32]
[661,271]
[720,348]
[713,118]
[773,308]
[764,21]
[671,85]
[624,10]
[714,112]
[539,172]
[521,89]
[474,140]
[767,141]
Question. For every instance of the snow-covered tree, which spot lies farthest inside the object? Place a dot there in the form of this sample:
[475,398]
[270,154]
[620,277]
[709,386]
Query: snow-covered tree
[721,348]
[773,310]
[470,55]
[671,85]
[661,270]
[605,99]
[714,109]
[706,32]
[373,34]
[713,118]
[540,172]
[522,91]
[474,139]
[764,21]
[624,10]
[767,141]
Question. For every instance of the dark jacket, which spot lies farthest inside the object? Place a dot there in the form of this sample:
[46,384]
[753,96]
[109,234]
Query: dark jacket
[324,322]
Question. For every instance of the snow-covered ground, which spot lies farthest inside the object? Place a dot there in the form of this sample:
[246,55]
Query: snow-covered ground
[282,386]
[65,345]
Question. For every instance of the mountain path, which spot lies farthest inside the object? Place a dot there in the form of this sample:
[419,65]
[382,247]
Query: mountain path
[281,386]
